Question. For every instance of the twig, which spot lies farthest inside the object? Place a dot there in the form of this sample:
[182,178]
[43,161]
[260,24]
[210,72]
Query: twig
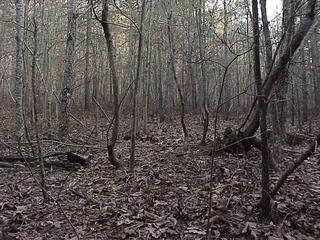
[101,109]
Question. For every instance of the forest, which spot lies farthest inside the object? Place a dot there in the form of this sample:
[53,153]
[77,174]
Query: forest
[160,119]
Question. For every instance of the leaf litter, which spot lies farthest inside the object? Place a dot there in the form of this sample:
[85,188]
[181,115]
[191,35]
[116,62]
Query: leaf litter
[166,197]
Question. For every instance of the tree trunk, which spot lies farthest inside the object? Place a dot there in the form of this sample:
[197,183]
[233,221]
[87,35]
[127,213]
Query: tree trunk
[265,199]
[20,131]
[136,86]
[34,96]
[288,26]
[315,54]
[86,73]
[173,70]
[65,94]
[115,86]
[276,151]
[226,90]
[304,84]
[204,110]
[160,87]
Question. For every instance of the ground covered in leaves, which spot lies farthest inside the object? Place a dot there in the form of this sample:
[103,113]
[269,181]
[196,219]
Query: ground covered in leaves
[166,197]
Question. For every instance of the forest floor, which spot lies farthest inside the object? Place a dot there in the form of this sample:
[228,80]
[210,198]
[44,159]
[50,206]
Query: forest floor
[166,198]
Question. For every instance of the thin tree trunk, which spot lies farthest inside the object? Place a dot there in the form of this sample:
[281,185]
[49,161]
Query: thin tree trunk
[115,86]
[86,73]
[34,96]
[136,86]
[304,83]
[20,131]
[265,199]
[269,59]
[204,110]
[288,25]
[160,90]
[276,151]
[293,104]
[173,70]
[226,90]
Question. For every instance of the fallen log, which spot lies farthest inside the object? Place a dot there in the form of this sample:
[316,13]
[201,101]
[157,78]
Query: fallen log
[71,161]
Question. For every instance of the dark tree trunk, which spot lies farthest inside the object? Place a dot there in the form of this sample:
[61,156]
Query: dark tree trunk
[265,199]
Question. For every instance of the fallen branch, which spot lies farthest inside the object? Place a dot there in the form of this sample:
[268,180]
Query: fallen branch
[311,150]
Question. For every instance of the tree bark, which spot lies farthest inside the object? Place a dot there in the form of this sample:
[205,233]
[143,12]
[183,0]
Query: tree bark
[20,131]
[65,94]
